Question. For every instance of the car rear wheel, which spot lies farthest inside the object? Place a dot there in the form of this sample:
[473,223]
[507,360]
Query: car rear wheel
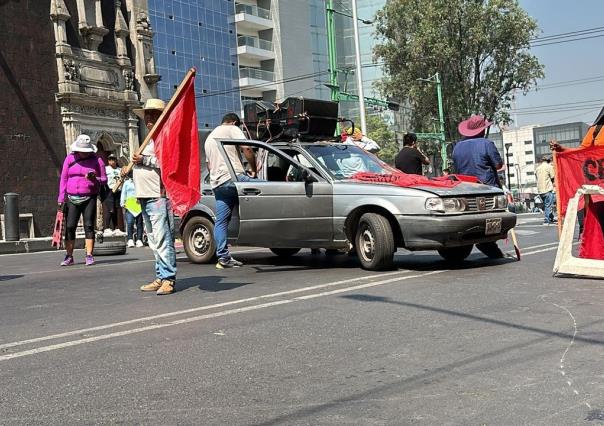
[285,252]
[374,242]
[198,240]
[456,254]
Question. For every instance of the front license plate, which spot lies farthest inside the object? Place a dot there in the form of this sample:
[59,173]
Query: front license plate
[493,226]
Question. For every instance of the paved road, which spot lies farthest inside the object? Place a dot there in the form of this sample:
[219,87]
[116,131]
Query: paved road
[314,340]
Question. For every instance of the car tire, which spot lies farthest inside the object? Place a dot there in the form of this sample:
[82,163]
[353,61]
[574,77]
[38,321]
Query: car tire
[285,252]
[456,254]
[109,248]
[198,240]
[374,242]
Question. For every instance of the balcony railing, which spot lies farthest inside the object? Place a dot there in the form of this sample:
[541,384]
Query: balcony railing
[258,43]
[253,10]
[256,74]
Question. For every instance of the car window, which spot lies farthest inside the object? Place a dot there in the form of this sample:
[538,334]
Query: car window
[344,161]
[280,169]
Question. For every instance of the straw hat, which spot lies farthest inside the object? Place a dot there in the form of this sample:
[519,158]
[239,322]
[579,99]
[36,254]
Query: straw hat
[83,144]
[150,104]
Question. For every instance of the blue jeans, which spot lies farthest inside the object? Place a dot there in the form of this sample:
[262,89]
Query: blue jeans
[226,200]
[131,221]
[549,198]
[159,222]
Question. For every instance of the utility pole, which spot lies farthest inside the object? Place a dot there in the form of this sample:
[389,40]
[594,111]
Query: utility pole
[331,50]
[357,48]
[336,94]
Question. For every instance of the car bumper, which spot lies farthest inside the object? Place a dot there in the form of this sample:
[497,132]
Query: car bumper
[436,232]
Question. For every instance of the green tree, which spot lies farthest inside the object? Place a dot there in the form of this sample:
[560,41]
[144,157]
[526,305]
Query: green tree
[479,47]
[377,129]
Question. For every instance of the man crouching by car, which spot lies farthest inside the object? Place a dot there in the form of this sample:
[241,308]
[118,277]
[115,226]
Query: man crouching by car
[224,189]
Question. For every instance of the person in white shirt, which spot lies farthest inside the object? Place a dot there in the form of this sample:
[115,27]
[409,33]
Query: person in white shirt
[224,189]
[354,162]
[356,137]
[111,204]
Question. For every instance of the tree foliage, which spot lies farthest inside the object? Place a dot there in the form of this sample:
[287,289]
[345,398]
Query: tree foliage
[378,130]
[479,47]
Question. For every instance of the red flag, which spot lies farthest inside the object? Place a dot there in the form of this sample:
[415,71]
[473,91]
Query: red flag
[575,168]
[177,149]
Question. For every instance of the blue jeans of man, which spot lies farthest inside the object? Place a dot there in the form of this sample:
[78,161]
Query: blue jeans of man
[549,198]
[226,200]
[159,222]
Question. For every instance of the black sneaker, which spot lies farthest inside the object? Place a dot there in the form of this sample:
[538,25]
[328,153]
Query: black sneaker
[228,263]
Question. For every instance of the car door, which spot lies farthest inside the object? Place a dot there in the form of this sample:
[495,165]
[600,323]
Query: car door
[285,210]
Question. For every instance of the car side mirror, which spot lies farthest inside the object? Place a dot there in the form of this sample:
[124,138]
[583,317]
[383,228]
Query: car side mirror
[307,176]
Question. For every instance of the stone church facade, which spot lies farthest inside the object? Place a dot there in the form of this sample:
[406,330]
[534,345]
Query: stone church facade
[68,67]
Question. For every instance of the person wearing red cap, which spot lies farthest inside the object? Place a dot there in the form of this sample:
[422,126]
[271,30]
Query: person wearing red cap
[477,156]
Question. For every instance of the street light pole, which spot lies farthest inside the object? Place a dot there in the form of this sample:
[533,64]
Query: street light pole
[507,163]
[359,71]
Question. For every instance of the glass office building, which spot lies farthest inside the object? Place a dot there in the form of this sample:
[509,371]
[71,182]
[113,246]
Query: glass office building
[198,34]
[568,134]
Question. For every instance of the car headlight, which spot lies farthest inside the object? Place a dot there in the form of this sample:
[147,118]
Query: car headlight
[447,205]
[501,202]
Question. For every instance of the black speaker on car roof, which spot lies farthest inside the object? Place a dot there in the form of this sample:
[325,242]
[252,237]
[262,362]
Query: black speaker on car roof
[260,121]
[308,119]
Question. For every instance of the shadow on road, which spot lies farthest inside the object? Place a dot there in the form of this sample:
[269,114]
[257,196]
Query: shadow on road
[209,284]
[264,263]
[9,277]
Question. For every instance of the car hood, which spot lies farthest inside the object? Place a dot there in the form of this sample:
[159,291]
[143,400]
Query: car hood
[372,188]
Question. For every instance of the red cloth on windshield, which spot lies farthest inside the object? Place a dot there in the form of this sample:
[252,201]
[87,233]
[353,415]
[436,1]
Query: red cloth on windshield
[405,180]
[177,149]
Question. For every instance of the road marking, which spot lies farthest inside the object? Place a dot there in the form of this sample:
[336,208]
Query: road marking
[205,316]
[196,309]
[399,277]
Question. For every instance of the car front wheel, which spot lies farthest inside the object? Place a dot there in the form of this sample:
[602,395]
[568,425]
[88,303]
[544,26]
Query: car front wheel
[374,242]
[456,254]
[198,240]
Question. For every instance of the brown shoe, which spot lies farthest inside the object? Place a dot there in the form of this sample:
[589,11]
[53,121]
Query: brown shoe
[154,286]
[167,287]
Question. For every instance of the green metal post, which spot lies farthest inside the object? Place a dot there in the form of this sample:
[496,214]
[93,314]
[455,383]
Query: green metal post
[331,50]
[441,119]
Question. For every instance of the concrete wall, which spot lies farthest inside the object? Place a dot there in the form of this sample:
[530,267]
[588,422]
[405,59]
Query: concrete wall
[31,134]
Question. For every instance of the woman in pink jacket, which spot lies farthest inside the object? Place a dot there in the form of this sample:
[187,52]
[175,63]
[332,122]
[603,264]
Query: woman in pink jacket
[81,179]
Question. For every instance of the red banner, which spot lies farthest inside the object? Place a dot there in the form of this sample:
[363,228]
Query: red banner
[177,149]
[575,168]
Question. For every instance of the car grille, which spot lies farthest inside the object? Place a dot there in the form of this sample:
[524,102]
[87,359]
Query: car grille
[476,204]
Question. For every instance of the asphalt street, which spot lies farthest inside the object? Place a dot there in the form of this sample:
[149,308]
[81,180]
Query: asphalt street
[312,340]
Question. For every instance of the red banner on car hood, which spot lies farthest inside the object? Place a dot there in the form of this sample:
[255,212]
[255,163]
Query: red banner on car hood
[404,180]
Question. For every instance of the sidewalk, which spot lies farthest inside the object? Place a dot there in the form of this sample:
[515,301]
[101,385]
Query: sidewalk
[33,245]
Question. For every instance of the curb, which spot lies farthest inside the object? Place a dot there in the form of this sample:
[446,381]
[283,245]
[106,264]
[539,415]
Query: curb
[35,245]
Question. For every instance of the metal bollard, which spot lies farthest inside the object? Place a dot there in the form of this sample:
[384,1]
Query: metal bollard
[11,217]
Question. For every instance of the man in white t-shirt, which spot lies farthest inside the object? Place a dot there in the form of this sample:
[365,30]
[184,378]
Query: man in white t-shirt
[224,189]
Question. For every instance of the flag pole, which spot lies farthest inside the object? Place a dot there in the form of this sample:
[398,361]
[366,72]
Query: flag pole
[158,124]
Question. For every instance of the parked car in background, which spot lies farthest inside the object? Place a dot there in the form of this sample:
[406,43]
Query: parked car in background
[308,200]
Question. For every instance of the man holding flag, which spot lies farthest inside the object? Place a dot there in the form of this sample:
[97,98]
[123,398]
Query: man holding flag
[166,173]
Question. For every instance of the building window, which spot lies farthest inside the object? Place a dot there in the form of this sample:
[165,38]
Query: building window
[530,173]
[528,152]
[529,163]
[528,142]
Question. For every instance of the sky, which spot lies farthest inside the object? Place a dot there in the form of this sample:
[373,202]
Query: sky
[566,61]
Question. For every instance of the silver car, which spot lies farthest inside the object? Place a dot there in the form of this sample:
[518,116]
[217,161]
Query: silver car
[305,198]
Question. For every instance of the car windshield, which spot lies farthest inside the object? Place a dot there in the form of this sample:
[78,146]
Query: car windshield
[344,161]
